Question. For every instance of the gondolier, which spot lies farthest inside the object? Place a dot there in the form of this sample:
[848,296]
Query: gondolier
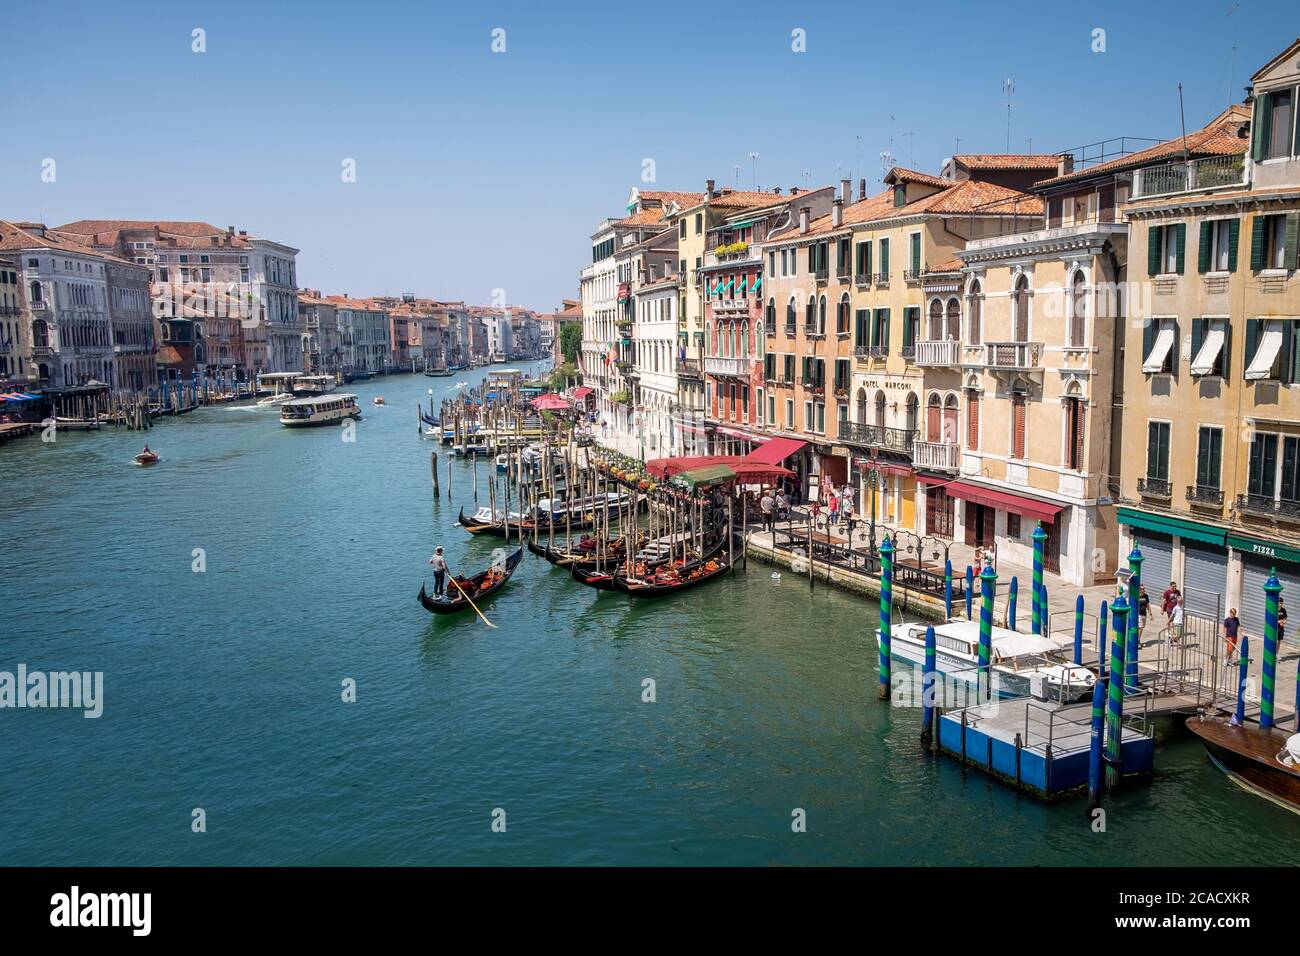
[439,571]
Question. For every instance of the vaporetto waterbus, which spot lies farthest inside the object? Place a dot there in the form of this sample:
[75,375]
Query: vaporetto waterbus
[319,410]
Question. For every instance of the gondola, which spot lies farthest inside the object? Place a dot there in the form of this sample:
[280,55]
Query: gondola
[600,580]
[692,573]
[522,527]
[586,554]
[429,420]
[478,587]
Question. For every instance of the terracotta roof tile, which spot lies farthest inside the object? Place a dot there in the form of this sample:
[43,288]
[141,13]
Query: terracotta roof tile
[1046,161]
[901,174]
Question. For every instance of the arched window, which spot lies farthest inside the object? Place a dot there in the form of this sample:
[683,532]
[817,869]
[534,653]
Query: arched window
[933,418]
[41,334]
[744,340]
[842,316]
[34,295]
[790,316]
[880,409]
[862,406]
[952,328]
[913,412]
[935,330]
[1078,311]
[810,316]
[1020,310]
[1075,409]
[770,317]
[821,316]
[950,420]
[975,312]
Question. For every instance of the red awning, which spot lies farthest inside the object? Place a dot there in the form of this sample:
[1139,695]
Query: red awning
[582,392]
[668,467]
[551,403]
[774,451]
[1004,501]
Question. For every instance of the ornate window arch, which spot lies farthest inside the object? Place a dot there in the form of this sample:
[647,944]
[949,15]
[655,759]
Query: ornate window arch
[952,320]
[1020,309]
[975,313]
[934,330]
[1077,333]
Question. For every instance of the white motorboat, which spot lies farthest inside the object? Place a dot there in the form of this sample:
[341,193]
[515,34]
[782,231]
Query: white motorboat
[1015,658]
[280,384]
[319,410]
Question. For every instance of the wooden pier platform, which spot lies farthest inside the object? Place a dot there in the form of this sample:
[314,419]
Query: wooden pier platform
[10,430]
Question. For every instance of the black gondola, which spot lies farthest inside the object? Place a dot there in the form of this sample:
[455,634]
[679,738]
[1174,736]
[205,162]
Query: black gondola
[697,573]
[600,580]
[429,419]
[521,528]
[478,590]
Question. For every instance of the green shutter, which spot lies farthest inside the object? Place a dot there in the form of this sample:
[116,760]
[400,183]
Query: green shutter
[1153,250]
[884,257]
[1173,349]
[1148,338]
[1262,121]
[1234,237]
[868,269]
[886,326]
[1181,237]
[1203,247]
[1198,336]
[1226,355]
[1258,236]
[1292,240]
[1252,342]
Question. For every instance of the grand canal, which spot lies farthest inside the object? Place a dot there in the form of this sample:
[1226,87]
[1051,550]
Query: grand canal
[223,688]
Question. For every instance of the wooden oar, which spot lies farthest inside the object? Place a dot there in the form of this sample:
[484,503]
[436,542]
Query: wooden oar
[468,599]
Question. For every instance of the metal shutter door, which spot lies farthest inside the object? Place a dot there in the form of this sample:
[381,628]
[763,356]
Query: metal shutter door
[1158,561]
[1254,573]
[1205,572]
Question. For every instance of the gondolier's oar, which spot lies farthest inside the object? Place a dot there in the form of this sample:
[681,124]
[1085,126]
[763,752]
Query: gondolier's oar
[470,602]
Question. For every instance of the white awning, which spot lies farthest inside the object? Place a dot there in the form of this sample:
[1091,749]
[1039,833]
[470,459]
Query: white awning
[1203,364]
[1270,343]
[1155,362]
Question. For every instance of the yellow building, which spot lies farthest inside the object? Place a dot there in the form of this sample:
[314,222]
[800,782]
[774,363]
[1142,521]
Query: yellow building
[1211,467]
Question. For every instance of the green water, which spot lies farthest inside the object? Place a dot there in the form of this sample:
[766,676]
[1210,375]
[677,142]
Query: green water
[223,688]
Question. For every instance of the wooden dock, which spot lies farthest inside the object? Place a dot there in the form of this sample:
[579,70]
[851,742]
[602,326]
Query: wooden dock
[10,430]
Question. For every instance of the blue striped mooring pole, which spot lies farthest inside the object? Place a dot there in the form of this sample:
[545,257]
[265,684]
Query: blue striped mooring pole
[1011,603]
[886,606]
[988,581]
[947,589]
[1078,629]
[1115,691]
[1038,604]
[927,684]
[1272,588]
[1131,655]
[970,591]
[1243,669]
[1101,640]
[1095,742]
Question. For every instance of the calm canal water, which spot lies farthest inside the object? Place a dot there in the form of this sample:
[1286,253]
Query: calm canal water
[222,688]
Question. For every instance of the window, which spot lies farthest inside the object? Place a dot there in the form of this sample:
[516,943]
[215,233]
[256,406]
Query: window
[1273,242]
[1209,456]
[821,316]
[788,368]
[1158,451]
[789,413]
[821,417]
[699,223]
[771,409]
[1166,248]
[1274,124]
[808,416]
[974,312]
[911,322]
[1273,350]
[952,324]
[884,258]
[1160,346]
[973,420]
[915,254]
[1013,526]
[681,229]
[863,267]
[784,254]
[842,316]
[1019,410]
[1209,346]
[1020,310]
[880,331]
[1078,311]
[1217,251]
[1074,432]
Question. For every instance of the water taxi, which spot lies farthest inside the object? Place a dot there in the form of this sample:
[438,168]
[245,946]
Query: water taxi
[319,410]
[1022,664]
[279,385]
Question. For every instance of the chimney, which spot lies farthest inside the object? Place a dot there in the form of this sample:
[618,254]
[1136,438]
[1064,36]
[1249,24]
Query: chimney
[862,188]
[846,190]
[654,272]
[837,212]
[794,190]
[776,191]
[708,188]
[230,230]
[804,213]
[1064,164]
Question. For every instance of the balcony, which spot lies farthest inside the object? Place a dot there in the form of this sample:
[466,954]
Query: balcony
[729,367]
[1157,488]
[939,455]
[862,351]
[943,353]
[689,368]
[862,279]
[881,279]
[1205,496]
[812,329]
[908,352]
[42,307]
[1197,175]
[1013,356]
[823,275]
[748,254]
[1266,507]
[790,330]
[911,275]
[842,273]
[878,436]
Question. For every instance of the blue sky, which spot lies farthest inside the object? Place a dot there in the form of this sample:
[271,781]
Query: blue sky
[479,170]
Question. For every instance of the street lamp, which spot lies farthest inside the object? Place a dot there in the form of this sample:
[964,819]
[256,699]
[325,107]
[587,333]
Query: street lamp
[872,480]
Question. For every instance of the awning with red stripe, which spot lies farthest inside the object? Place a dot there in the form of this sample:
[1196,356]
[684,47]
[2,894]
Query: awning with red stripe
[1003,501]
[774,451]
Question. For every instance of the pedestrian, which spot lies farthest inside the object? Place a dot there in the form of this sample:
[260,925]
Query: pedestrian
[439,571]
[1144,604]
[1168,600]
[1281,618]
[783,505]
[765,506]
[1176,622]
[833,506]
[1231,627]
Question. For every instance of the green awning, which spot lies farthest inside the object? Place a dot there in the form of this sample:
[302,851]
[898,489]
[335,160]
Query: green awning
[758,284]
[1264,549]
[713,290]
[733,226]
[1167,524]
[727,287]
[704,476]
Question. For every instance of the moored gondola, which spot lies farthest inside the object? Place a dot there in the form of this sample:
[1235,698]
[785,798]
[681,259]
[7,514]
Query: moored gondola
[670,580]
[480,587]
[600,580]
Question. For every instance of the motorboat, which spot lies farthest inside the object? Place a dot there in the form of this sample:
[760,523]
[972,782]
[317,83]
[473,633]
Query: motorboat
[379,399]
[147,458]
[1022,664]
[279,384]
[1264,762]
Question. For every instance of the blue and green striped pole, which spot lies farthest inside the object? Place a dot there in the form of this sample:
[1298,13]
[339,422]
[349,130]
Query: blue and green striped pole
[886,606]
[1011,603]
[1115,691]
[970,590]
[1243,671]
[947,589]
[927,684]
[988,580]
[1078,629]
[1095,743]
[1101,640]
[1272,588]
[1036,615]
[1131,655]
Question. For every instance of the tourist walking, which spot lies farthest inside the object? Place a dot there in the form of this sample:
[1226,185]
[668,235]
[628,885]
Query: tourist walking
[1281,618]
[765,506]
[1144,604]
[782,505]
[833,507]
[1231,628]
[439,571]
[1168,601]
[1176,622]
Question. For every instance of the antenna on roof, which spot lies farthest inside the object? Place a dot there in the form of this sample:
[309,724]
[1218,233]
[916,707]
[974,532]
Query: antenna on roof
[1008,87]
[736,167]
[1183,121]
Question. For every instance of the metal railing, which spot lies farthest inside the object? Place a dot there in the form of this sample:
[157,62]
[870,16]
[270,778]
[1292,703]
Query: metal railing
[688,368]
[734,367]
[1204,495]
[881,278]
[1265,505]
[1214,172]
[1154,488]
[879,436]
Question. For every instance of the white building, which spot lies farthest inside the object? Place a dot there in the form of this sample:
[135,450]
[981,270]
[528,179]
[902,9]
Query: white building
[655,336]
[273,267]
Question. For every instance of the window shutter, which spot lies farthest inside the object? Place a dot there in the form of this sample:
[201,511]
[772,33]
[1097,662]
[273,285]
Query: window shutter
[1226,353]
[973,422]
[1173,349]
[1258,238]
[1203,247]
[885,332]
[1078,433]
[1283,361]
[884,256]
[1198,336]
[1234,236]
[1252,341]
[1153,449]
[1153,250]
[1181,238]
[1262,120]
[1018,427]
[1148,338]
[1203,452]
[1292,240]
[868,247]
